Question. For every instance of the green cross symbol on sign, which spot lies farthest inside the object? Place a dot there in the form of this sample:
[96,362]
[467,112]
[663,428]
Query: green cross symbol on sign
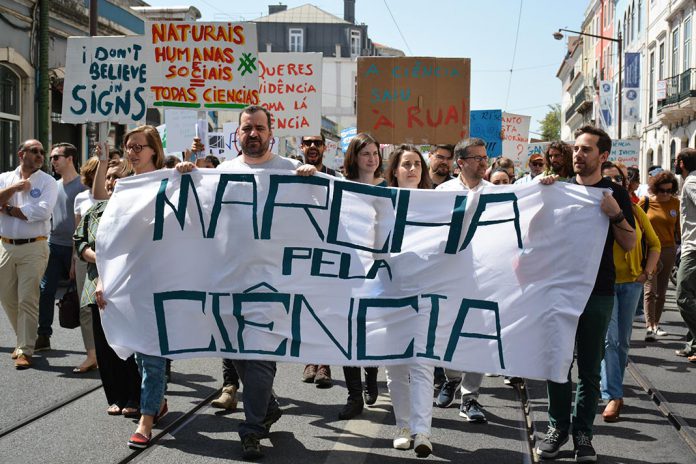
[248,63]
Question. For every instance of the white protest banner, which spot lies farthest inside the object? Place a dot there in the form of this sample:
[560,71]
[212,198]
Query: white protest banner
[290,88]
[270,265]
[515,128]
[181,129]
[625,151]
[200,65]
[105,80]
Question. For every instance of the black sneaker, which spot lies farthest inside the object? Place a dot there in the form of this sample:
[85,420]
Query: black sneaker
[552,442]
[448,393]
[271,418]
[251,447]
[584,452]
[472,411]
[43,343]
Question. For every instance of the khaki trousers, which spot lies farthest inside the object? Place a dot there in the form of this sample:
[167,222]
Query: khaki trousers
[21,269]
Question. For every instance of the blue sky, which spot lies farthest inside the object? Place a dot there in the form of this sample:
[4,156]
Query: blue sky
[481,30]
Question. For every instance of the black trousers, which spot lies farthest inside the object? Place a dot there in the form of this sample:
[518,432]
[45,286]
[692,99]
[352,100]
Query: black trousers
[229,373]
[354,382]
[121,379]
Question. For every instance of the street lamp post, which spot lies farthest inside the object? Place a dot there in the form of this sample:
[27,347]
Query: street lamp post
[558,35]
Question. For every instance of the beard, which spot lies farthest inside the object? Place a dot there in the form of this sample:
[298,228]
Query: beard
[442,170]
[313,157]
[255,147]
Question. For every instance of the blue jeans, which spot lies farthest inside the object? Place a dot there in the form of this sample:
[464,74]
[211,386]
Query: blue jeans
[618,339]
[59,262]
[257,377]
[153,384]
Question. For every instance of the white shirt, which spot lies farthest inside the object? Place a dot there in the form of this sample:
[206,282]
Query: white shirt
[36,204]
[457,184]
[83,201]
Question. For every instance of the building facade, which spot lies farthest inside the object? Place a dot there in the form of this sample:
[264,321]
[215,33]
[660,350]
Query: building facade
[19,64]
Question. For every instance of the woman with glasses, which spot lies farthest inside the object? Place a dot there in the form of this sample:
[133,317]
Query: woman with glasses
[362,163]
[143,149]
[120,378]
[411,385]
[662,208]
[632,270]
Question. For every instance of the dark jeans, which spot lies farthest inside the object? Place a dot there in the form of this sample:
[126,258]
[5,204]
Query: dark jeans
[59,261]
[120,378]
[589,340]
[229,373]
[686,292]
[258,398]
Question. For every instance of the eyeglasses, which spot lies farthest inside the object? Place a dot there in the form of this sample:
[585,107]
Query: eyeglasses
[56,157]
[617,179]
[478,159]
[667,190]
[136,148]
[537,164]
[316,143]
[36,151]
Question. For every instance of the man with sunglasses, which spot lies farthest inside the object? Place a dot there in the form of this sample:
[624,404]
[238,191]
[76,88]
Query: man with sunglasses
[536,167]
[60,244]
[27,198]
[313,147]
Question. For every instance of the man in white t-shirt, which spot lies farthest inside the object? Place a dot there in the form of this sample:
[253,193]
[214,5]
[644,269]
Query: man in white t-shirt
[27,198]
[261,408]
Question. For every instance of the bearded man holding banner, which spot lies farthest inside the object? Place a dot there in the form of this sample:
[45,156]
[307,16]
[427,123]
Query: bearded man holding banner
[261,409]
[592,147]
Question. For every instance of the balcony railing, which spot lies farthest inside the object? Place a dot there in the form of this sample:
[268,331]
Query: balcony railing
[679,88]
[579,100]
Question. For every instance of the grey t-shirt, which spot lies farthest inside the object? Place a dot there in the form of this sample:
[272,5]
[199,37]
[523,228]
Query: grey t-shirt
[276,162]
[63,221]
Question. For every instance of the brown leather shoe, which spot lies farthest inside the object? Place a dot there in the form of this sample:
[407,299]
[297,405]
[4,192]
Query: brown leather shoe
[23,361]
[613,410]
[15,354]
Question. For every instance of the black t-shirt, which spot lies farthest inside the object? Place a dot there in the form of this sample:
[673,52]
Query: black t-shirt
[328,171]
[448,179]
[606,275]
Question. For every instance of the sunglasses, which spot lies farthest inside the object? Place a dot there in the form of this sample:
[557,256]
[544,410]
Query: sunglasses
[57,157]
[617,179]
[36,151]
[316,143]
[537,164]
[667,190]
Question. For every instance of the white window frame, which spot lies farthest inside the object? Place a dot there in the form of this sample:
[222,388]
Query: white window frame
[296,40]
[355,42]
[674,46]
[686,53]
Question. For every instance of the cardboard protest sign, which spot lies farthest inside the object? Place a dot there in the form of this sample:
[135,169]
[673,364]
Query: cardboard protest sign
[315,269]
[414,100]
[105,80]
[290,88]
[515,138]
[625,151]
[200,65]
[487,125]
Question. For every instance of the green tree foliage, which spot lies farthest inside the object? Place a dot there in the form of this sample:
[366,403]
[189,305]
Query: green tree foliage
[551,124]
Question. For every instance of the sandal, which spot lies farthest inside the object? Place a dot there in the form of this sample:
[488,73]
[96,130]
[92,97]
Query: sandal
[692,358]
[114,410]
[82,369]
[131,413]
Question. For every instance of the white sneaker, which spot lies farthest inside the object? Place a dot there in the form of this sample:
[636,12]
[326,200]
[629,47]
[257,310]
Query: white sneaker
[660,333]
[402,440]
[422,445]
